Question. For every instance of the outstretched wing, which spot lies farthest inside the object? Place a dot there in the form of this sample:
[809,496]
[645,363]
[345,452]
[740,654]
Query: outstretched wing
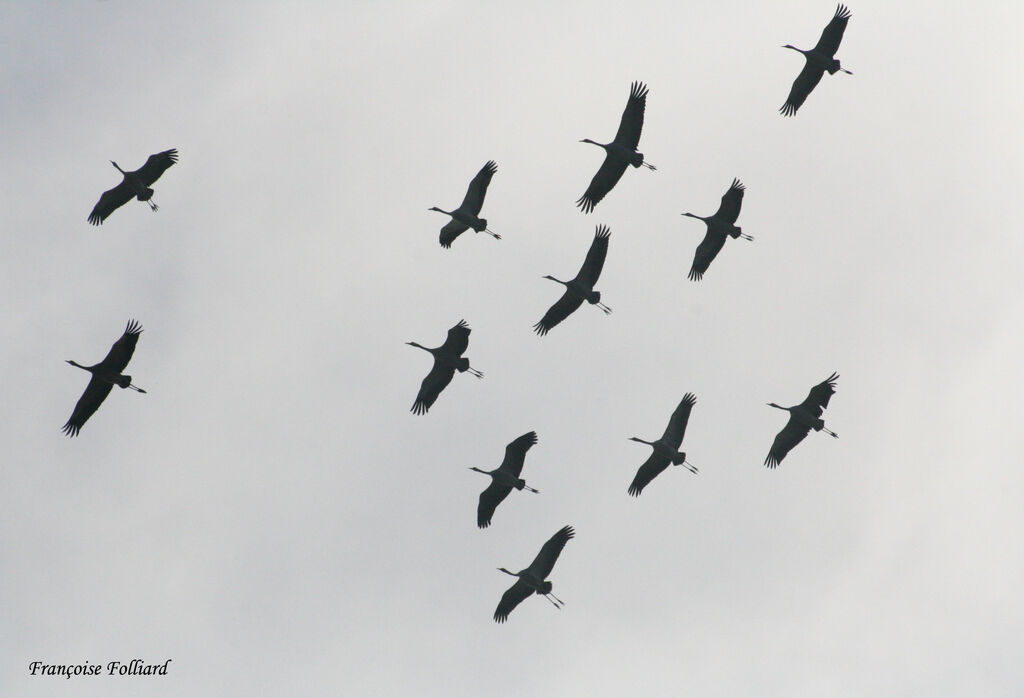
[791,434]
[608,175]
[632,122]
[515,453]
[653,467]
[832,34]
[549,552]
[673,435]
[121,351]
[111,200]
[450,231]
[817,399]
[706,252]
[806,81]
[436,381]
[156,165]
[458,339]
[563,308]
[95,393]
[732,200]
[490,498]
[474,200]
[516,594]
[594,263]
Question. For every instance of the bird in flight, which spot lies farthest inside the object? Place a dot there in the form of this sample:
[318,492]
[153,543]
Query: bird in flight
[504,478]
[448,359]
[666,449]
[621,152]
[580,288]
[532,579]
[136,184]
[719,226]
[467,215]
[802,418]
[817,61]
[105,375]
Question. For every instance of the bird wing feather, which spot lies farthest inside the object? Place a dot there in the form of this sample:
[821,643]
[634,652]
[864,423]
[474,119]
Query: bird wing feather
[93,396]
[806,81]
[111,200]
[436,381]
[632,122]
[490,498]
[832,34]
[474,200]
[515,453]
[458,339]
[791,434]
[562,308]
[673,435]
[515,595]
[594,262]
[122,350]
[817,399]
[156,165]
[549,552]
[450,231]
[653,467]
[608,175]
[732,200]
[706,252]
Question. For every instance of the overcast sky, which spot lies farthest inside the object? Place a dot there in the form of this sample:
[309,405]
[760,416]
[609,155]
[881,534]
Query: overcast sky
[273,519]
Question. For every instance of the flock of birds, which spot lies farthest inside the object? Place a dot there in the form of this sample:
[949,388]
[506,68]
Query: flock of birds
[449,357]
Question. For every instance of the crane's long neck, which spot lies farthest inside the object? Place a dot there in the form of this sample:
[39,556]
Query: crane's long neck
[635,438]
[439,210]
[117,166]
[564,283]
[480,471]
[420,346]
[502,569]
[587,140]
[693,215]
[74,363]
[796,49]
[780,407]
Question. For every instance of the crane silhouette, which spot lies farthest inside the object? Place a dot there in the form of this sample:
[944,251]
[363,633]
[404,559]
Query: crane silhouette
[105,375]
[448,359]
[467,215]
[580,288]
[133,184]
[620,152]
[532,579]
[720,225]
[504,478]
[666,449]
[802,418]
[817,61]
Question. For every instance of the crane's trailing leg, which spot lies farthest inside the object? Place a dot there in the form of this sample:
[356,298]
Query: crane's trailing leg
[492,233]
[746,237]
[560,602]
[830,433]
[649,166]
[474,372]
[530,489]
[605,308]
[153,205]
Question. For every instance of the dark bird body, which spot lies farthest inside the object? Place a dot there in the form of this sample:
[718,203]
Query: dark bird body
[504,478]
[532,579]
[817,61]
[802,418]
[448,359]
[135,184]
[666,449]
[621,152]
[580,288]
[719,226]
[467,215]
[105,375]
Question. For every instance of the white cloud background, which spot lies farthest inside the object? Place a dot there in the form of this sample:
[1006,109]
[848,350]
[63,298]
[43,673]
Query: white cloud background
[272,517]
